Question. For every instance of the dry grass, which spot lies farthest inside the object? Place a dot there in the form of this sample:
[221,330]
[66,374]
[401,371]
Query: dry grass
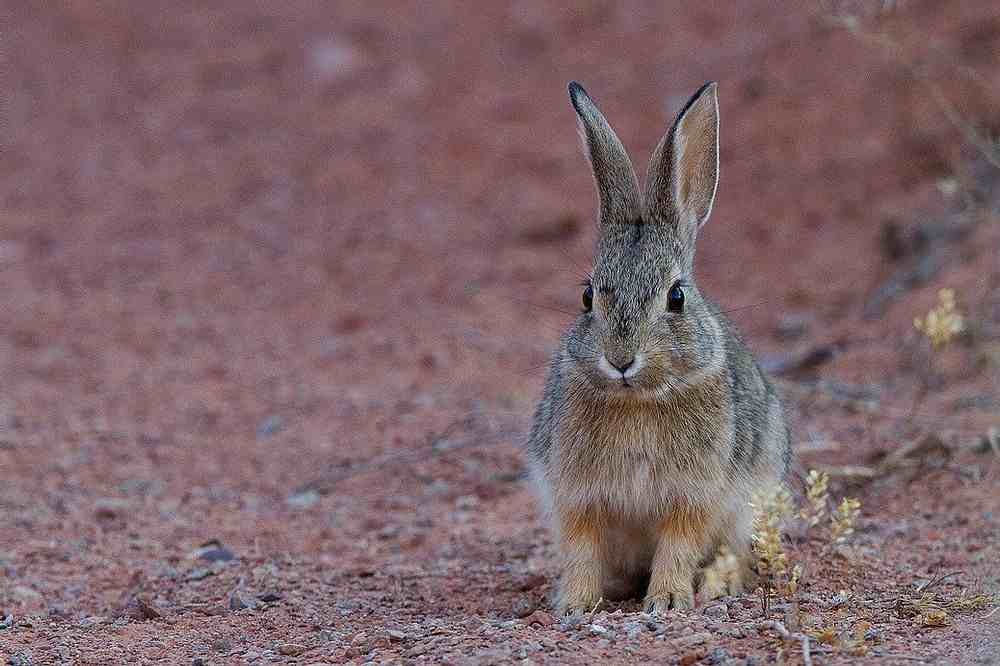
[943,322]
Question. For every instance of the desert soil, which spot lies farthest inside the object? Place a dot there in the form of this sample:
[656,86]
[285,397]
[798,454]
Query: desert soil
[282,278]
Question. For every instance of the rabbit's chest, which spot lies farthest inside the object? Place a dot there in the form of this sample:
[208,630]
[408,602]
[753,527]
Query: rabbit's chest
[642,467]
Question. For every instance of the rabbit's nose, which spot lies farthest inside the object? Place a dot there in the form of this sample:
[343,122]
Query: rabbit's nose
[622,366]
[618,369]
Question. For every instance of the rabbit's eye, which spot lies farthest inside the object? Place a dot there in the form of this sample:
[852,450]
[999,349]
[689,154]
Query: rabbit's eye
[675,299]
[588,298]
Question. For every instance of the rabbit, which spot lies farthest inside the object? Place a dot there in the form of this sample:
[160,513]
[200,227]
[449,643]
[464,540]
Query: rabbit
[656,426]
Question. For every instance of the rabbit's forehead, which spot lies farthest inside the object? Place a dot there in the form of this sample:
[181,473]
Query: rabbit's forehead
[635,263]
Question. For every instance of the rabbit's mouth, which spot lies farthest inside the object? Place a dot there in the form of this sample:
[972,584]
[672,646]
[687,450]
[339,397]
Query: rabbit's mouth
[622,372]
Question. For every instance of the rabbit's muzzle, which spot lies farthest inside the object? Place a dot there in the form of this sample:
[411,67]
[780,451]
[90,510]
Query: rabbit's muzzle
[621,361]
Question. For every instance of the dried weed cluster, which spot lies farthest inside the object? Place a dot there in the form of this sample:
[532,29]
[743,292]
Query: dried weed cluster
[772,512]
[780,575]
[929,609]
[943,322]
[843,520]
[816,497]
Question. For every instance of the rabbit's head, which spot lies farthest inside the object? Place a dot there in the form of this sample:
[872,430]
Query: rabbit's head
[646,331]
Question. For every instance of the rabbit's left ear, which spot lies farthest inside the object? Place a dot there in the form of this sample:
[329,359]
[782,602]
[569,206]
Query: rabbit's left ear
[616,183]
[684,171]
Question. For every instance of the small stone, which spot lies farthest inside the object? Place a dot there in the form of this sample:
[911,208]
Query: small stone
[717,611]
[417,650]
[333,58]
[633,629]
[792,326]
[604,644]
[658,628]
[690,659]
[571,622]
[303,499]
[466,502]
[55,610]
[212,551]
[222,645]
[138,608]
[269,597]
[6,621]
[691,640]
[239,601]
[208,609]
[541,618]
[25,593]
[523,607]
[199,574]
[598,629]
[291,649]
[530,582]
[838,600]
[23,659]
[717,656]
[110,508]
[732,629]
[270,426]
[396,636]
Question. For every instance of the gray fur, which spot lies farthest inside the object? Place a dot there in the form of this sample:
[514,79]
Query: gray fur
[646,480]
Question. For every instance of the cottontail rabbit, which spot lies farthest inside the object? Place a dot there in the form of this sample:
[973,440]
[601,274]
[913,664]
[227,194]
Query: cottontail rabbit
[657,425]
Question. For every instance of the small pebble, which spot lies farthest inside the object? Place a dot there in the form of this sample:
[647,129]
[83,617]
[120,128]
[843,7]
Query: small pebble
[523,607]
[570,622]
[792,326]
[716,611]
[212,551]
[291,649]
[303,499]
[199,574]
[269,427]
[717,656]
[690,659]
[541,618]
[139,609]
[222,645]
[239,601]
[417,650]
[633,629]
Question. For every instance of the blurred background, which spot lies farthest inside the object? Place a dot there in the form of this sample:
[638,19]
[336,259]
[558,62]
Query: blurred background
[287,275]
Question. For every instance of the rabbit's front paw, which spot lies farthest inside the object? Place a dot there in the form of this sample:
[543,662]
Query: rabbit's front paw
[661,603]
[578,594]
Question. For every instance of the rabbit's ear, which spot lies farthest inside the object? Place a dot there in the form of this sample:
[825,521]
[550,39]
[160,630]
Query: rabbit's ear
[617,186]
[684,171]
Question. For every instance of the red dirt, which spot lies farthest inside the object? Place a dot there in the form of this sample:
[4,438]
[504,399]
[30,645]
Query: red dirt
[271,278]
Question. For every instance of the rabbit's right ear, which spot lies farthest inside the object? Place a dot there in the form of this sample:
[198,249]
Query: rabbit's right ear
[617,185]
[684,172]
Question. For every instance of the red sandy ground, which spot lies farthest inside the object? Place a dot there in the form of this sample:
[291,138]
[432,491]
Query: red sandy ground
[276,274]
